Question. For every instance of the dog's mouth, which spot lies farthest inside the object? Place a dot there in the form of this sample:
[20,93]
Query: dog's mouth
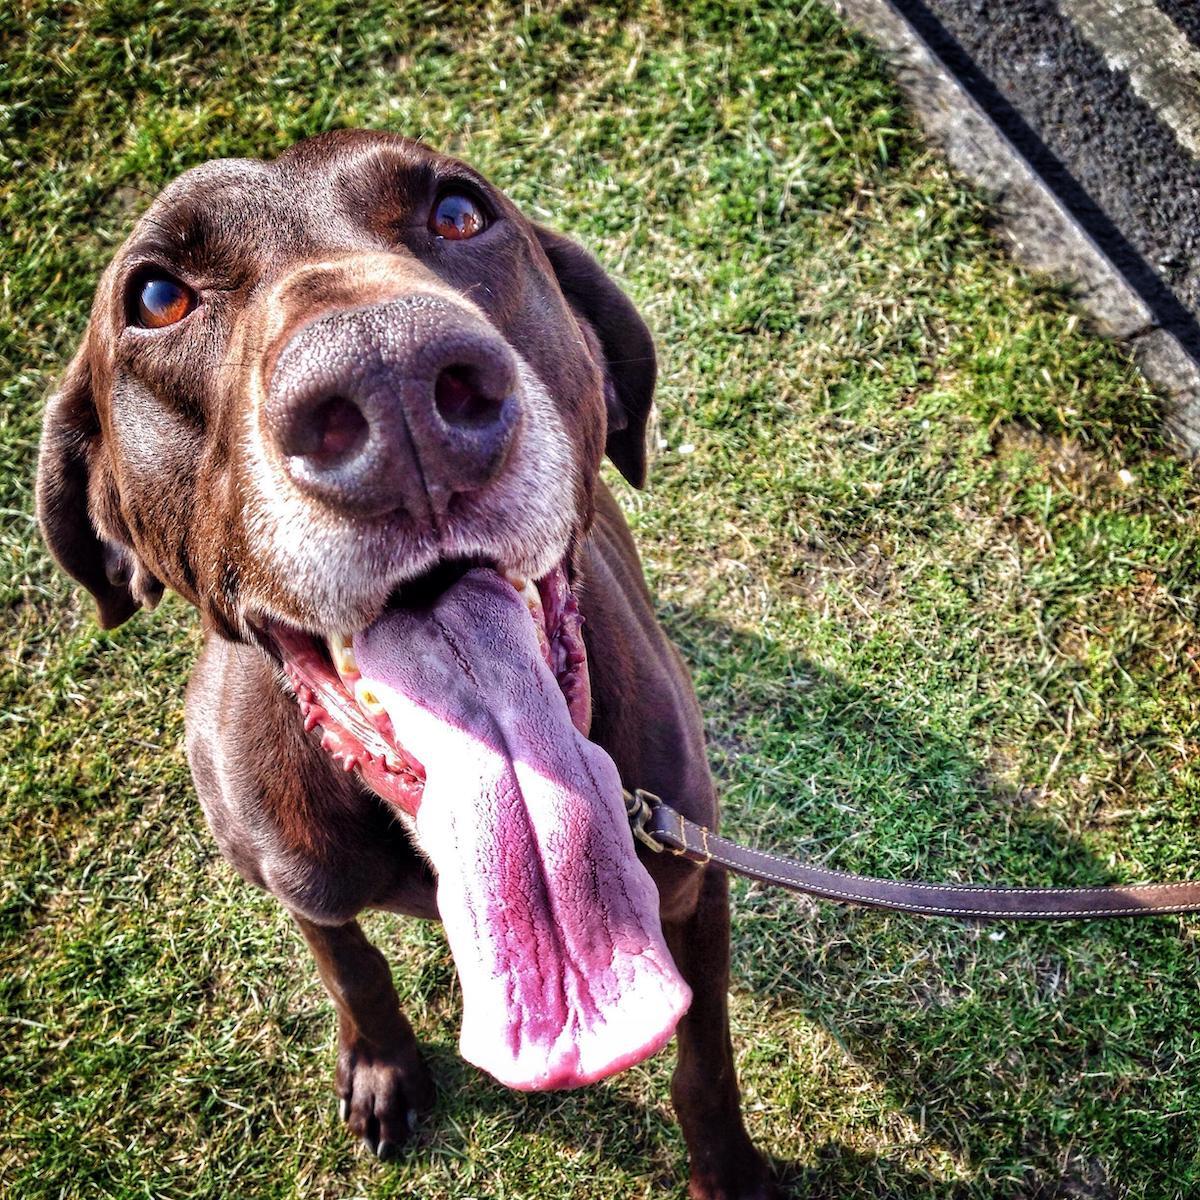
[465,704]
[356,728]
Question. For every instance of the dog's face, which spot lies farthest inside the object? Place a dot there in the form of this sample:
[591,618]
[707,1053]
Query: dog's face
[351,404]
[309,381]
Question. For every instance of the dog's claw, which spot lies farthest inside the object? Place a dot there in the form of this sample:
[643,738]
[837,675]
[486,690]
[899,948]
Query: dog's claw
[384,1151]
[344,1109]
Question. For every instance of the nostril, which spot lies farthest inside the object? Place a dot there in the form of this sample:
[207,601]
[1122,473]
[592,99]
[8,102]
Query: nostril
[462,398]
[332,432]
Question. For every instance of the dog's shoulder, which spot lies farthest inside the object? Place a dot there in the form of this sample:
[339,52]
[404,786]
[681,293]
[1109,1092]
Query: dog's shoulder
[317,839]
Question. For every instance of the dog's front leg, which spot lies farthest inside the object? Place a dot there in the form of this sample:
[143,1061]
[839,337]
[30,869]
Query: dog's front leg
[724,1163]
[382,1081]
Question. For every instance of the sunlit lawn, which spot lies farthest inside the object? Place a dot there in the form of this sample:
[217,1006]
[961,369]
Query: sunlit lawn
[934,630]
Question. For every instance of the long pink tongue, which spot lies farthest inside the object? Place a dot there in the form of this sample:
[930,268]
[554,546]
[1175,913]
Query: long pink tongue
[552,920]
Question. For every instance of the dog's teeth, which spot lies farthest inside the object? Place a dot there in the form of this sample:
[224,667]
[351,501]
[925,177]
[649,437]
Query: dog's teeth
[342,653]
[367,698]
[529,594]
[526,588]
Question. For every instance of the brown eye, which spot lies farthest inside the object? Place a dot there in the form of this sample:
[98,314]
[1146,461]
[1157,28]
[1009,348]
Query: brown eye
[163,302]
[457,216]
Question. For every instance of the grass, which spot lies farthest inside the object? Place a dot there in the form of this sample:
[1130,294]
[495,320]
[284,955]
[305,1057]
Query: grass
[914,529]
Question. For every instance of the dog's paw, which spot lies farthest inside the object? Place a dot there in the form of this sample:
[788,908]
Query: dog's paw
[381,1094]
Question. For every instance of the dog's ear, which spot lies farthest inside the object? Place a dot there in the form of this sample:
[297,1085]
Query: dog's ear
[626,344]
[70,453]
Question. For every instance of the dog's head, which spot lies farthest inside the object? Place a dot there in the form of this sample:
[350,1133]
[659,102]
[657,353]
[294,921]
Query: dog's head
[352,405]
[307,382]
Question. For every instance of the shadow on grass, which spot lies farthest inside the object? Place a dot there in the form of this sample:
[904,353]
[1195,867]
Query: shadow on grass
[1035,1061]
[1029,1054]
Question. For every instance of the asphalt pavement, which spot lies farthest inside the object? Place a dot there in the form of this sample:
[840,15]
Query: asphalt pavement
[1119,151]
[1098,103]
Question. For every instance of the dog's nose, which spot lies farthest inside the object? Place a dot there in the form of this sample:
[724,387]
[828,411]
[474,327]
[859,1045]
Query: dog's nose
[398,405]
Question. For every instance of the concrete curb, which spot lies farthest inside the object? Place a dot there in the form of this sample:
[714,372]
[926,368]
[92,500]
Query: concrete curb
[1042,232]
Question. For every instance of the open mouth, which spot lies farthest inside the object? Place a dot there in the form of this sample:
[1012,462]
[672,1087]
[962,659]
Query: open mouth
[356,729]
[465,704]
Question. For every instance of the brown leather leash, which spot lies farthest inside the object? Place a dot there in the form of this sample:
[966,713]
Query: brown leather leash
[657,825]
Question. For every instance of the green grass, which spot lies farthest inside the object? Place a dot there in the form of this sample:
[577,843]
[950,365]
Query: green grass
[934,629]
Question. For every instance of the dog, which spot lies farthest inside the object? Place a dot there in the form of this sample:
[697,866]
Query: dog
[351,404]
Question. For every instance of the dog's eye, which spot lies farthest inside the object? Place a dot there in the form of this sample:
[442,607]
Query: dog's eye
[457,216]
[163,302]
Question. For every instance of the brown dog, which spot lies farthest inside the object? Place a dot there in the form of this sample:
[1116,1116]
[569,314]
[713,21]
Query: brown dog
[351,405]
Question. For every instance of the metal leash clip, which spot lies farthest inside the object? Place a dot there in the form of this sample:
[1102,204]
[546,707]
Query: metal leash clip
[639,807]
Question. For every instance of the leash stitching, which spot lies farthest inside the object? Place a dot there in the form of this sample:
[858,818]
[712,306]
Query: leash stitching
[815,887]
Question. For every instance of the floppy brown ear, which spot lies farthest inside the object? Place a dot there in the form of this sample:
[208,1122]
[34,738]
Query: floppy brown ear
[628,348]
[71,446]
